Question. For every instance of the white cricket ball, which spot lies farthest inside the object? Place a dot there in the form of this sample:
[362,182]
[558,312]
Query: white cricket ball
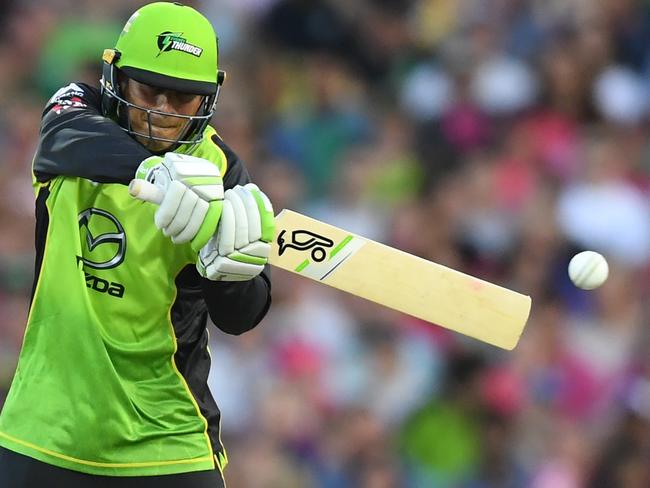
[588,270]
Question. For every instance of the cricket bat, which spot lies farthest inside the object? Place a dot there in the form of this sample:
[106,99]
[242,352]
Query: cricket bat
[389,277]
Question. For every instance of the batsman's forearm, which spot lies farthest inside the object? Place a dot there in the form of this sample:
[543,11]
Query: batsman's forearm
[238,306]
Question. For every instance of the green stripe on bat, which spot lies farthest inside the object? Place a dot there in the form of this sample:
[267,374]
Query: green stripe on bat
[341,245]
[302,265]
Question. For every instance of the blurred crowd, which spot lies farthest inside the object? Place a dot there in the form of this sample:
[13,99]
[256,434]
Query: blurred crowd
[497,137]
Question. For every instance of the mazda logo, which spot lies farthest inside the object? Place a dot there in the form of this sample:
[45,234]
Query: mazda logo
[115,235]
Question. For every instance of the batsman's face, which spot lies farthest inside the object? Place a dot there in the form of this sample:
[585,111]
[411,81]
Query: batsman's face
[162,100]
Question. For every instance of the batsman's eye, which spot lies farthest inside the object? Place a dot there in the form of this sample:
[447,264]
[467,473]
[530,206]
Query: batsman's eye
[150,93]
[185,98]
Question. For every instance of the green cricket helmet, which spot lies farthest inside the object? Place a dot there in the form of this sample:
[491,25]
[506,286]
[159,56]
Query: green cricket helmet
[166,45]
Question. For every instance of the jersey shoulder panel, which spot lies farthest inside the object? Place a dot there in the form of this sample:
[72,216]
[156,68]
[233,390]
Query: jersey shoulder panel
[73,95]
[207,149]
[236,173]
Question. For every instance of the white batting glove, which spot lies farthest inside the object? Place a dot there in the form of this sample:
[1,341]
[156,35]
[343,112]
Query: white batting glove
[241,246]
[193,198]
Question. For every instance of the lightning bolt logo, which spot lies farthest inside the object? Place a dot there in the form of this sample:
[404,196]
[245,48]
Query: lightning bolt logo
[165,40]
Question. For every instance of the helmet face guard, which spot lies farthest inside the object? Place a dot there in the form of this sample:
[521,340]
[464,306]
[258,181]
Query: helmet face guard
[116,107]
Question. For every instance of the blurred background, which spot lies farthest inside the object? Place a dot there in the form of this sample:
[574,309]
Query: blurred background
[496,137]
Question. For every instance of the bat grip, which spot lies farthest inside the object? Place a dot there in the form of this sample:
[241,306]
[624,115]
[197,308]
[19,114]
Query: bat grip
[145,191]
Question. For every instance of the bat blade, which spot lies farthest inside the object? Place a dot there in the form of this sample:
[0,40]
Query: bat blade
[389,277]
[399,280]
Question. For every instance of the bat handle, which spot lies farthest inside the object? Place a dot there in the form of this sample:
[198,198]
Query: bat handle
[145,191]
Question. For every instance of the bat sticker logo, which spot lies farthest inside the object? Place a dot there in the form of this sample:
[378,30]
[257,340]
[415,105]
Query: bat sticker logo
[303,240]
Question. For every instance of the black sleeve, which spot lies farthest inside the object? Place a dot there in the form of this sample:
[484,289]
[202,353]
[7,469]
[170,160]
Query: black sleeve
[77,140]
[234,307]
[237,306]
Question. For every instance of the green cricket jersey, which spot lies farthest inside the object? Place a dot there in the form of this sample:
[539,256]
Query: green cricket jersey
[112,375]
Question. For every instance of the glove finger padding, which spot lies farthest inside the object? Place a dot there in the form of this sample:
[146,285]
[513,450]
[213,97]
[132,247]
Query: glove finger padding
[240,249]
[241,219]
[252,213]
[226,231]
[265,208]
[258,249]
[194,224]
[170,204]
[184,213]
[225,269]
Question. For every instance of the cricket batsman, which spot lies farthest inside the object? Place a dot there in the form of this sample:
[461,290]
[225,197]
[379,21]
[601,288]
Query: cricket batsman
[111,384]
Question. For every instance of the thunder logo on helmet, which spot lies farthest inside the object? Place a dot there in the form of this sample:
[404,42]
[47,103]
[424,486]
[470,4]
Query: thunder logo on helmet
[168,41]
